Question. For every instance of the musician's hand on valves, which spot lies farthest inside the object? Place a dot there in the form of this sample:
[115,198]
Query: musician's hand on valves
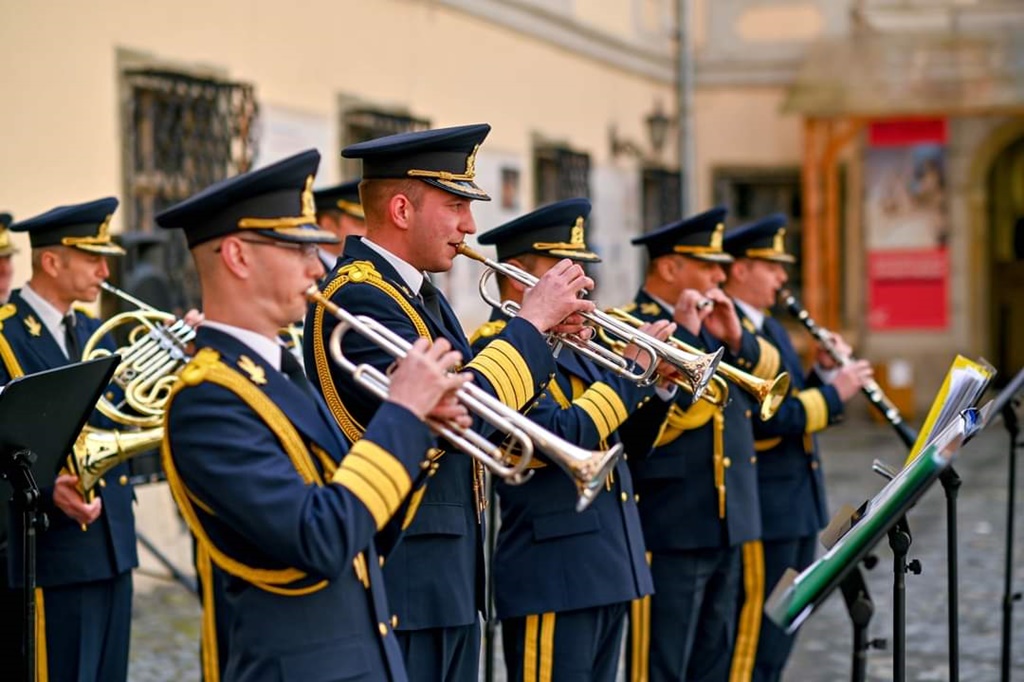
[722,320]
[851,378]
[691,310]
[554,303]
[661,330]
[422,383]
[194,318]
[68,500]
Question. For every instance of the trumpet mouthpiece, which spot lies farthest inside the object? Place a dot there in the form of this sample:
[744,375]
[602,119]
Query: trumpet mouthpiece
[464,250]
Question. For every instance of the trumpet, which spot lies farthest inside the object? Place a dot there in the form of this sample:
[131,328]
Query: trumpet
[697,368]
[769,394]
[588,469]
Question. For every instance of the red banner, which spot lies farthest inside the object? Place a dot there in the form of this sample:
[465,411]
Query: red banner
[908,289]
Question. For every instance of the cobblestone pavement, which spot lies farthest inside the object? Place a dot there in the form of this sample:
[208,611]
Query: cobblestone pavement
[166,619]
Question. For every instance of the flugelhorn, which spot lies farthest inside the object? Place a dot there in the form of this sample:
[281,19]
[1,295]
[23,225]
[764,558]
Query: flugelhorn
[588,469]
[871,389]
[150,362]
[697,368]
[768,393]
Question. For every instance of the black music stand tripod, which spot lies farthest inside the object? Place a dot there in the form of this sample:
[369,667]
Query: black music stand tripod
[41,415]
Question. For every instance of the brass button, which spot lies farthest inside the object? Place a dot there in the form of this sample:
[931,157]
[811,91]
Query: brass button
[726,462]
[110,395]
[123,480]
[383,628]
[625,497]
[747,414]
[814,466]
[753,459]
[394,621]
[102,483]
[380,560]
[636,498]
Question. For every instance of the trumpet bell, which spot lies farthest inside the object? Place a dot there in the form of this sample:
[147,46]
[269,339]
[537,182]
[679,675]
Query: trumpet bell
[773,395]
[590,473]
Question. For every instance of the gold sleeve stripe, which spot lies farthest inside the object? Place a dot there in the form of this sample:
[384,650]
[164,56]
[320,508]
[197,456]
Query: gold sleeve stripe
[768,364]
[376,477]
[604,407]
[504,367]
[495,374]
[597,415]
[614,401]
[515,365]
[815,408]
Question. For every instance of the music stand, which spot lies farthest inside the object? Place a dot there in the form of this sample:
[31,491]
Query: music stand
[41,415]
[797,596]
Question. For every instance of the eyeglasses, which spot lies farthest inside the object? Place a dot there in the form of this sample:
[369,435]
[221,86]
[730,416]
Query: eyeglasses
[306,250]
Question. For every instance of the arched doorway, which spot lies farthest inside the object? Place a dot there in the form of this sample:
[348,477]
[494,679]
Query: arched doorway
[1005,216]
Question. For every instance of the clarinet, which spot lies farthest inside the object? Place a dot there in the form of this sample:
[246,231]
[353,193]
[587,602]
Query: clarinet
[871,388]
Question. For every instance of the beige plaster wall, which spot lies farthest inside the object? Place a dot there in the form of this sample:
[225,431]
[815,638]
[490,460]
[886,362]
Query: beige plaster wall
[62,138]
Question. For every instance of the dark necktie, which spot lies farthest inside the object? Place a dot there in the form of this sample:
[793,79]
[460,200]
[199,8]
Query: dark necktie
[70,340]
[291,368]
[431,299]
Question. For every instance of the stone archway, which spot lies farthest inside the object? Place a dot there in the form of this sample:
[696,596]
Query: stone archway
[995,194]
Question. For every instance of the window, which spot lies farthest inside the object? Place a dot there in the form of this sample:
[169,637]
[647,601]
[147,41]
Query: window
[662,190]
[361,123]
[753,194]
[182,133]
[559,173]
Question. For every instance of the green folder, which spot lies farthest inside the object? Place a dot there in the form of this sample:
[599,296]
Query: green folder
[797,595]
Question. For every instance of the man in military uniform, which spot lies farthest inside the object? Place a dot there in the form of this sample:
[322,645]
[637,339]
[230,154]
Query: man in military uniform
[84,576]
[339,212]
[277,500]
[792,488]
[7,251]
[563,579]
[698,487]
[416,192]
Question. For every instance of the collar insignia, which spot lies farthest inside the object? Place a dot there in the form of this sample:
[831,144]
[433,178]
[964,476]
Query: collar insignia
[256,373]
[35,327]
[650,309]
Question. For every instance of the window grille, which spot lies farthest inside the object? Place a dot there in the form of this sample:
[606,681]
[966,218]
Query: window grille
[560,173]
[182,134]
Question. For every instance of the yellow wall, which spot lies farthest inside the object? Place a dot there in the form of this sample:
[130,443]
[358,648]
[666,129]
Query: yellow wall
[62,137]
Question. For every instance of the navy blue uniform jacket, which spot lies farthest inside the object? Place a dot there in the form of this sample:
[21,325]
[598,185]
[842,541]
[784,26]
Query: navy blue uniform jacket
[548,556]
[67,554]
[288,513]
[435,575]
[789,466]
[681,504]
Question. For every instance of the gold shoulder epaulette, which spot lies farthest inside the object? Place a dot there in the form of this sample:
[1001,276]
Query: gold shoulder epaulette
[78,307]
[487,330]
[357,271]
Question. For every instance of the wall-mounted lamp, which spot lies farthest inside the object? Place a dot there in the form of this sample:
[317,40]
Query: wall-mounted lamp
[658,124]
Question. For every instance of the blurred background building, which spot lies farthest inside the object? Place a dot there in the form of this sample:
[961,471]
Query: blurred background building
[891,131]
